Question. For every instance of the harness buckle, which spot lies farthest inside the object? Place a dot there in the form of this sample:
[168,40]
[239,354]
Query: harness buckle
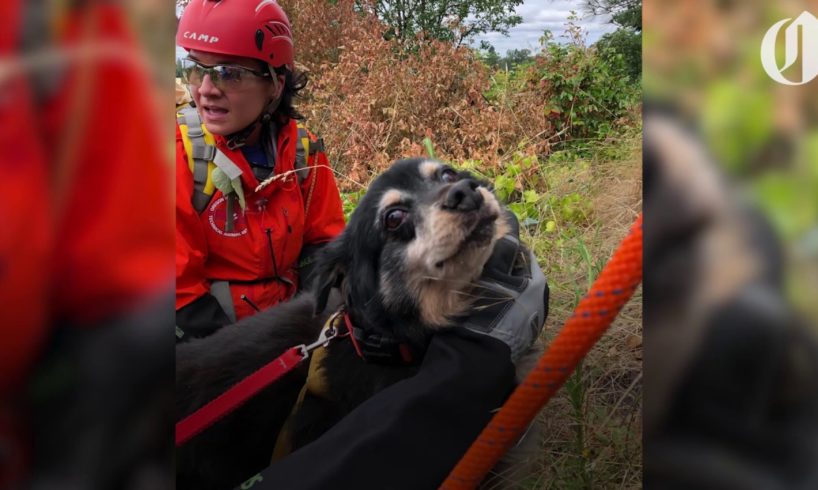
[209,153]
[195,131]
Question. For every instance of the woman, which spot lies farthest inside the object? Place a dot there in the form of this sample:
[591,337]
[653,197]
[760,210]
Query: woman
[239,245]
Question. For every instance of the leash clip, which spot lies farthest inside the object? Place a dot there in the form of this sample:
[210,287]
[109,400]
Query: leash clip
[329,332]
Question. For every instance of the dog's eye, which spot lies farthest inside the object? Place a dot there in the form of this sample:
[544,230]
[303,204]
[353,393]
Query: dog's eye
[448,175]
[394,219]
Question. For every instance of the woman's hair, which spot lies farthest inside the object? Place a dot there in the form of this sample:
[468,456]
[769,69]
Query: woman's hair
[294,82]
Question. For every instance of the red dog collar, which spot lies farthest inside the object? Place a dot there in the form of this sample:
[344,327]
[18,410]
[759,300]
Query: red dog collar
[378,347]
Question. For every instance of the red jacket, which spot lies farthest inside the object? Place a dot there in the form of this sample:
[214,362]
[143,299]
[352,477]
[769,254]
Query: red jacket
[80,194]
[274,221]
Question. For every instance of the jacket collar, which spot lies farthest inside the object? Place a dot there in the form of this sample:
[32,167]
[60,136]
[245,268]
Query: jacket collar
[285,156]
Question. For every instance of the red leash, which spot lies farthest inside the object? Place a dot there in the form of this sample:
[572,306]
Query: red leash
[248,387]
[237,395]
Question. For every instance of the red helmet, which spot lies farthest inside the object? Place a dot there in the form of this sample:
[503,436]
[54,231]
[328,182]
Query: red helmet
[250,28]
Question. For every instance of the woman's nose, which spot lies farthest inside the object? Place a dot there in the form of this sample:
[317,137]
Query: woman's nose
[208,87]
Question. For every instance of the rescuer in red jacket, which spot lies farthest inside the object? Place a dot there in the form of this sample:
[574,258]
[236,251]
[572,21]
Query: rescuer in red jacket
[255,197]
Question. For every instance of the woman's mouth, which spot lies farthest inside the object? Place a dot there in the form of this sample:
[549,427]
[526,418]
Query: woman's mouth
[213,113]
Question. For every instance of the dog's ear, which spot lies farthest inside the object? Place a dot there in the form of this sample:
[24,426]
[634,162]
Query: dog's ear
[331,269]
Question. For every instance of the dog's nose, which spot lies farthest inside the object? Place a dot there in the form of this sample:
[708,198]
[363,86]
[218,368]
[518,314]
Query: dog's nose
[463,196]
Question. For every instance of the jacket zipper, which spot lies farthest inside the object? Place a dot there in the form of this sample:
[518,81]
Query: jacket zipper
[272,255]
[289,232]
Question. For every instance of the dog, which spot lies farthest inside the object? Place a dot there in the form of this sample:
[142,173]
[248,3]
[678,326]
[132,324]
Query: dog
[404,266]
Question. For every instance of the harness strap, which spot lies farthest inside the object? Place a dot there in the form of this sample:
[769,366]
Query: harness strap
[202,155]
[302,148]
[194,124]
[201,150]
[221,291]
[305,146]
[226,165]
[237,395]
[205,156]
[200,172]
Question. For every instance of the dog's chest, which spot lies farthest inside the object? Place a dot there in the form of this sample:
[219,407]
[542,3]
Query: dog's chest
[339,381]
[349,380]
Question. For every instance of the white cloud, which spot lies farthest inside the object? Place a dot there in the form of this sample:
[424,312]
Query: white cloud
[539,15]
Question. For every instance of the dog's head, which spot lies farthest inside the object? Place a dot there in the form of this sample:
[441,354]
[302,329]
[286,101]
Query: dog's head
[413,246]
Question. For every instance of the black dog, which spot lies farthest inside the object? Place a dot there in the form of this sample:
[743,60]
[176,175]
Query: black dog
[405,266]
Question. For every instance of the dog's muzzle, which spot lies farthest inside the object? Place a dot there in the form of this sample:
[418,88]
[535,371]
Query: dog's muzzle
[463,196]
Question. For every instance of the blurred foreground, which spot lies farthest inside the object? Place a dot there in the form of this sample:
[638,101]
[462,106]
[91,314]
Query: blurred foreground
[731,215]
[86,253]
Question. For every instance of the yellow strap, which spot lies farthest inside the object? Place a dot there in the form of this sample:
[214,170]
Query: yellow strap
[188,146]
[210,140]
[303,142]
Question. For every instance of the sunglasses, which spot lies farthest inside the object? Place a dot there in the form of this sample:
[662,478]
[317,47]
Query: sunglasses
[224,77]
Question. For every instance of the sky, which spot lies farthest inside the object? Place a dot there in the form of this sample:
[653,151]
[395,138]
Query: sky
[539,15]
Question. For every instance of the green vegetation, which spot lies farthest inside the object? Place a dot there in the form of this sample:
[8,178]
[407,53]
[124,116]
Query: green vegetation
[444,20]
[626,41]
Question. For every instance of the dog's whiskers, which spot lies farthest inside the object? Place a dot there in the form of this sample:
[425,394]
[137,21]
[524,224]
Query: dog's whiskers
[489,301]
[439,279]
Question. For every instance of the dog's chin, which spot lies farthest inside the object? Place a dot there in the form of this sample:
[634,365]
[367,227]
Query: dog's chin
[480,237]
[465,260]
[443,293]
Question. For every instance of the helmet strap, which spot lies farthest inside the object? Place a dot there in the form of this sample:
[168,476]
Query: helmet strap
[269,137]
[239,138]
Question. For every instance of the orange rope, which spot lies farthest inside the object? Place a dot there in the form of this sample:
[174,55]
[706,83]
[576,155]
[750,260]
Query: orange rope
[594,314]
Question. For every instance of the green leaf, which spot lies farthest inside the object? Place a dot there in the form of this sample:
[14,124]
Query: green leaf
[550,226]
[503,186]
[737,123]
[427,143]
[236,184]
[531,197]
[221,181]
[519,210]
